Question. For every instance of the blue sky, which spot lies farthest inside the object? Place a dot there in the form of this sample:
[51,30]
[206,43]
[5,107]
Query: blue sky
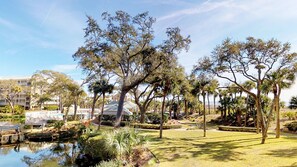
[44,34]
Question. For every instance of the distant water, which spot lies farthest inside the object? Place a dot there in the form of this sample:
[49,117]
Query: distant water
[37,154]
[8,126]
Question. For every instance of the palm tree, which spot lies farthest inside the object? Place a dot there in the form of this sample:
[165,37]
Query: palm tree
[104,87]
[249,85]
[203,82]
[95,88]
[211,89]
[279,80]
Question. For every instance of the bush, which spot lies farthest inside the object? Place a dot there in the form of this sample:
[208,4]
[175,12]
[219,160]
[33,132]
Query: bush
[19,109]
[292,126]
[155,118]
[58,125]
[111,163]
[155,126]
[51,107]
[110,123]
[5,109]
[291,115]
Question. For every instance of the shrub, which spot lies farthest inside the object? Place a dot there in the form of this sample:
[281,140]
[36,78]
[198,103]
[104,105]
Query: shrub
[291,115]
[51,107]
[292,126]
[111,163]
[110,123]
[19,109]
[155,126]
[155,118]
[58,125]
[121,142]
[5,109]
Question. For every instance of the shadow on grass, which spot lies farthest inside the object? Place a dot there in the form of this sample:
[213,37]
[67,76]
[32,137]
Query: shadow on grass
[291,153]
[184,148]
[292,165]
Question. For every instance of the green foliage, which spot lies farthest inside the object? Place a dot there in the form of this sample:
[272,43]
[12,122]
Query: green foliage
[155,118]
[111,123]
[58,125]
[293,103]
[292,126]
[111,163]
[291,115]
[5,109]
[120,143]
[18,109]
[111,144]
[155,126]
[238,129]
[51,107]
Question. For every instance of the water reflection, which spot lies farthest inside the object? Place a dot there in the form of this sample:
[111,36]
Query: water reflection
[36,154]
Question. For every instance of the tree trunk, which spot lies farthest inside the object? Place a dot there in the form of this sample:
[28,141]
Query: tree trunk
[277,118]
[120,109]
[93,105]
[214,103]
[208,103]
[162,116]
[75,109]
[204,116]
[142,114]
[238,117]
[102,110]
[277,108]
[199,110]
[186,109]
[11,106]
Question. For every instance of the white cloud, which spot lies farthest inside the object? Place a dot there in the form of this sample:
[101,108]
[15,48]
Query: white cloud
[6,23]
[65,68]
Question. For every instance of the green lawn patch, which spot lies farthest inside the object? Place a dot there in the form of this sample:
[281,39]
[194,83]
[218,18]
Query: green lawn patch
[222,148]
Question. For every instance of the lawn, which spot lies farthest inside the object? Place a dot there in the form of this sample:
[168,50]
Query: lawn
[189,148]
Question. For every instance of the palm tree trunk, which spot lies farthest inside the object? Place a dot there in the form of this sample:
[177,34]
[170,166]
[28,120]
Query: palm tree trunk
[277,114]
[214,103]
[102,110]
[162,116]
[186,108]
[208,104]
[204,116]
[75,109]
[93,105]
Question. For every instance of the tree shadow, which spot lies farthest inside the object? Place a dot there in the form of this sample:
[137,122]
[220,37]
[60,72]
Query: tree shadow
[174,149]
[290,153]
[292,165]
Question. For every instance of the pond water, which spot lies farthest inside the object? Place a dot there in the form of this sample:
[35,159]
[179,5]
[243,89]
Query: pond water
[39,154]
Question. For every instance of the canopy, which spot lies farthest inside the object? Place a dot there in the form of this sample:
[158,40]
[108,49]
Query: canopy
[112,108]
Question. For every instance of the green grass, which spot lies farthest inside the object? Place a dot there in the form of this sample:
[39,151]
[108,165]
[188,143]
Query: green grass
[181,148]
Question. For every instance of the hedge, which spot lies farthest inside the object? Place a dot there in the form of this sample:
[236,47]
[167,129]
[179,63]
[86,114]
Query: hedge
[238,129]
[155,126]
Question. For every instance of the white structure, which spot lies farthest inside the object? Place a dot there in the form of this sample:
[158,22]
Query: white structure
[41,117]
[24,98]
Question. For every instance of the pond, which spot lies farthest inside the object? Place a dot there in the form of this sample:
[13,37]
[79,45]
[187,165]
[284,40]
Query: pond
[36,154]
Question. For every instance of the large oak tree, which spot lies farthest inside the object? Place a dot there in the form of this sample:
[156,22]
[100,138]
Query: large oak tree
[123,45]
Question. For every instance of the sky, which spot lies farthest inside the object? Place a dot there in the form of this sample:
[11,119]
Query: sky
[44,34]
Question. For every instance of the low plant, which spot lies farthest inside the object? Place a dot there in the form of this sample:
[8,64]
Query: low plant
[111,163]
[291,115]
[155,118]
[292,126]
[58,125]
